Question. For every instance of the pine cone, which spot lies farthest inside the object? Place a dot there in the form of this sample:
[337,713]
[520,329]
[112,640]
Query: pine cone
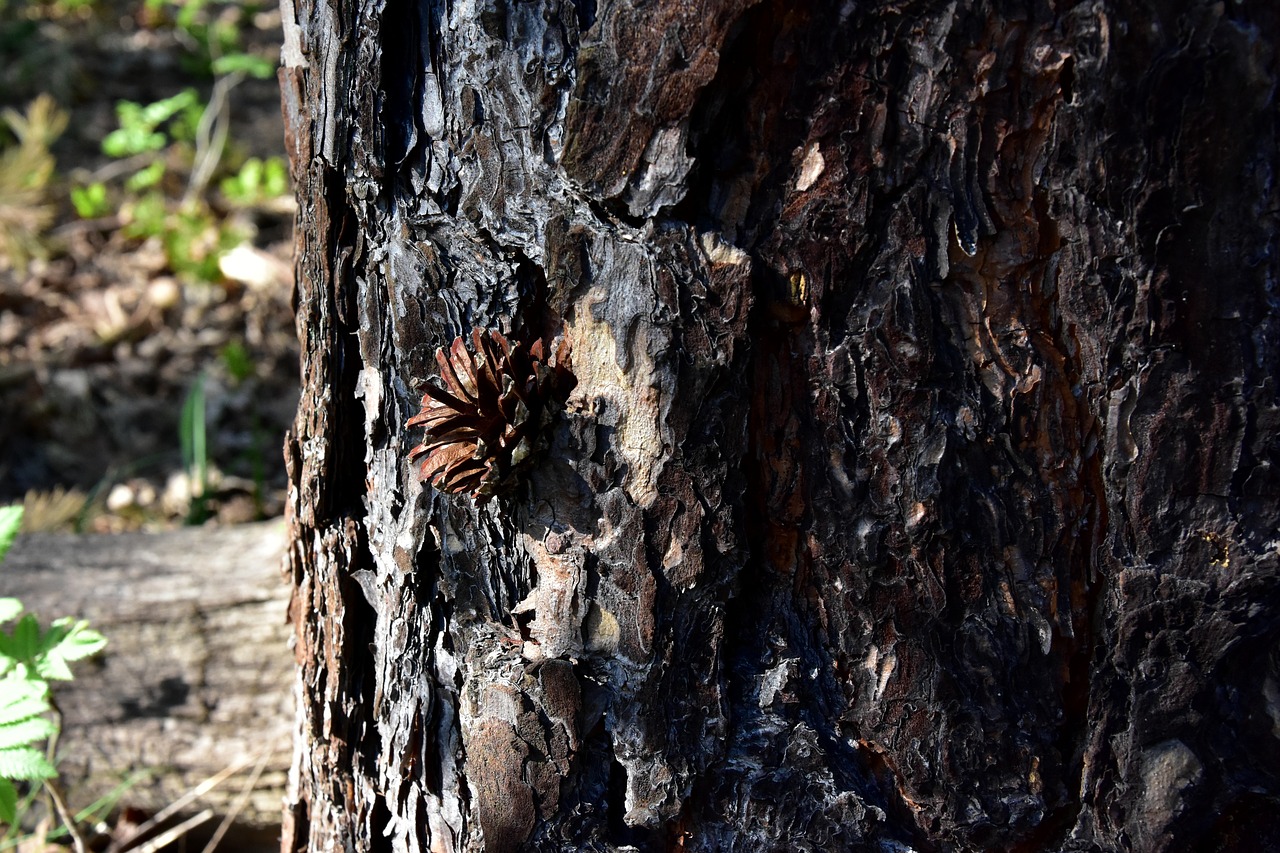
[487,420]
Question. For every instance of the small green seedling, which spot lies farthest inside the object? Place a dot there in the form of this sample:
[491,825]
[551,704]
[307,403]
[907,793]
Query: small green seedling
[90,201]
[257,181]
[29,659]
[139,124]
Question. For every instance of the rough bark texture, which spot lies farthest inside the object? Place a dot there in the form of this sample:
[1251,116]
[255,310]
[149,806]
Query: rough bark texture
[195,677]
[919,487]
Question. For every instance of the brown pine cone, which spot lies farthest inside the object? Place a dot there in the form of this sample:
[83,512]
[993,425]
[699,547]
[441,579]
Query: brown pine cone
[487,420]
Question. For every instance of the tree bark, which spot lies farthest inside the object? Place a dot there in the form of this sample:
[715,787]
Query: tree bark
[918,490]
[195,678]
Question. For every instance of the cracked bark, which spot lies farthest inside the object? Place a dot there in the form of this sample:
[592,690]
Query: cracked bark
[918,490]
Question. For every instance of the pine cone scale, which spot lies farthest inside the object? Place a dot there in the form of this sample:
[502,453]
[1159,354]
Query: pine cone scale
[488,360]
[448,372]
[441,459]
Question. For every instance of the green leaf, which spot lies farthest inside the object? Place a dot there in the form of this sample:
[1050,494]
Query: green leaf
[146,216]
[8,802]
[192,435]
[25,639]
[276,182]
[26,731]
[90,201]
[66,640]
[55,634]
[53,667]
[10,523]
[77,640]
[9,609]
[185,126]
[21,698]
[138,124]
[237,360]
[257,181]
[128,113]
[155,113]
[254,66]
[187,13]
[127,141]
[146,178]
[24,710]
[25,763]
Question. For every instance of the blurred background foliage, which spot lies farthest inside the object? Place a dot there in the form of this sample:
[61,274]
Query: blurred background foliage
[147,355]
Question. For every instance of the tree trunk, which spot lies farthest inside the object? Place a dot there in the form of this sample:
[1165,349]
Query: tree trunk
[918,489]
[195,678]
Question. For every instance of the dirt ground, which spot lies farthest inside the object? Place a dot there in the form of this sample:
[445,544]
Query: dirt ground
[101,341]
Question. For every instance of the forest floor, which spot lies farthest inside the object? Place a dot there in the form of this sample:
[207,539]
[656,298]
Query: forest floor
[148,358]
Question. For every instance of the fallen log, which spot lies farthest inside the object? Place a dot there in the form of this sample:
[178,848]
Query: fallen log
[197,672]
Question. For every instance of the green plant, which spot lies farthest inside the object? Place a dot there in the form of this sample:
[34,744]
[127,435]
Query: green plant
[192,435]
[140,125]
[25,171]
[257,181]
[194,237]
[182,138]
[244,63]
[237,361]
[95,811]
[90,201]
[29,659]
[212,29]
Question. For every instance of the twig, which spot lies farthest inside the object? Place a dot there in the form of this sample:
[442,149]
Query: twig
[211,135]
[64,813]
[171,835]
[240,803]
[198,791]
[105,223]
[115,168]
[51,785]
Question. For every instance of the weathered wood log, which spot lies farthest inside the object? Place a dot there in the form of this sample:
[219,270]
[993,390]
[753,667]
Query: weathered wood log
[196,674]
[919,489]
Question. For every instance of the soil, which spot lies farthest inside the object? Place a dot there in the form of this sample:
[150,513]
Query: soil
[101,341]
